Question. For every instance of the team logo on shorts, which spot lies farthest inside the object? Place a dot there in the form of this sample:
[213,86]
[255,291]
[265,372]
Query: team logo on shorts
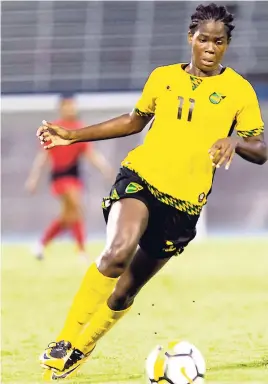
[169,246]
[216,98]
[133,188]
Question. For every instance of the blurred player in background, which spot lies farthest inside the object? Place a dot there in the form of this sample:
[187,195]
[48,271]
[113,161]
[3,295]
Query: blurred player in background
[65,179]
[163,184]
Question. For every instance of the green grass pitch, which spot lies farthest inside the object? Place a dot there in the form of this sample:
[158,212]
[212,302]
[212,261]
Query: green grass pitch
[214,295]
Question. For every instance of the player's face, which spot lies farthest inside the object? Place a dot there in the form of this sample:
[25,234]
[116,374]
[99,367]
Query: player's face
[209,44]
[68,109]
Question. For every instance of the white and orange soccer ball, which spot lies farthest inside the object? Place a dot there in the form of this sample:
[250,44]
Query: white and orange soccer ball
[179,363]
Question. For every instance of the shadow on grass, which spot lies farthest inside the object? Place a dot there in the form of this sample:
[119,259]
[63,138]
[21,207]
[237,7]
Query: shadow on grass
[261,363]
[104,379]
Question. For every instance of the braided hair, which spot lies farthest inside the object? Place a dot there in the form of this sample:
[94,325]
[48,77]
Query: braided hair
[214,12]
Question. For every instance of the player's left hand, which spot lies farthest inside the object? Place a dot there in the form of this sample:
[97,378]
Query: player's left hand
[223,151]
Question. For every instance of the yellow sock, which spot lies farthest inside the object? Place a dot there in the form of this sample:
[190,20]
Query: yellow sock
[94,291]
[99,325]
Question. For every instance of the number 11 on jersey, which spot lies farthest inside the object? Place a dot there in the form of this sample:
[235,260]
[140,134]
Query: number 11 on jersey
[190,113]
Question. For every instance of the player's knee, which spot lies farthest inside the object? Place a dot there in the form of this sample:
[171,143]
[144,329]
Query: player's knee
[70,216]
[115,259]
[76,209]
[64,220]
[67,219]
[72,205]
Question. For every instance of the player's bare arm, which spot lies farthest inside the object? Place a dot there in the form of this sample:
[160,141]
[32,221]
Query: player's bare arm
[121,126]
[35,172]
[253,149]
[99,161]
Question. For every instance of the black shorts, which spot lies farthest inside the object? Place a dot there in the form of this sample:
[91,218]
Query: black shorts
[169,230]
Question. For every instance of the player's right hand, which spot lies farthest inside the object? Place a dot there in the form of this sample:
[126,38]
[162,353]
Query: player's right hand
[223,151]
[52,135]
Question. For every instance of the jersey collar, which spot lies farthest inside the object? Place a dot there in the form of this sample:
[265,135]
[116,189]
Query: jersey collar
[182,66]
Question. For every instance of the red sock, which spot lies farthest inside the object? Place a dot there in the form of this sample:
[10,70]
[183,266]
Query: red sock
[78,231]
[55,228]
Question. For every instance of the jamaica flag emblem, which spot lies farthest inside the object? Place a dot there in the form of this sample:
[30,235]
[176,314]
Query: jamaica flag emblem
[133,188]
[216,98]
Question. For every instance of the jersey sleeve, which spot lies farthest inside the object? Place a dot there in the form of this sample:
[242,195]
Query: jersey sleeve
[146,104]
[248,119]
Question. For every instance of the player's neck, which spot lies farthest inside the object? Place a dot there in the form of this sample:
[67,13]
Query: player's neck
[193,70]
[69,119]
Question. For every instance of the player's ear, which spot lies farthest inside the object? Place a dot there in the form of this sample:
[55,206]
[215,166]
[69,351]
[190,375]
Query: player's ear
[229,40]
[190,37]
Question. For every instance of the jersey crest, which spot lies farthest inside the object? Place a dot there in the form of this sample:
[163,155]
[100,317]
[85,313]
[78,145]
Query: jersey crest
[216,98]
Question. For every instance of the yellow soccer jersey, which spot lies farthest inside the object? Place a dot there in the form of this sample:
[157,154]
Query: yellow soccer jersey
[190,115]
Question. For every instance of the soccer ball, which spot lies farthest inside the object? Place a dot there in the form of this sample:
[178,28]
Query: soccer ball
[179,363]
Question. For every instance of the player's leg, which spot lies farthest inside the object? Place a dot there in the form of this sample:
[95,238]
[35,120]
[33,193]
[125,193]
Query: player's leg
[55,228]
[141,269]
[168,233]
[64,220]
[127,222]
[73,215]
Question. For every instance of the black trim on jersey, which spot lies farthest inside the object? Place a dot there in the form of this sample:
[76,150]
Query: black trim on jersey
[143,114]
[73,171]
[214,171]
[232,128]
[184,66]
[151,125]
[209,192]
[252,132]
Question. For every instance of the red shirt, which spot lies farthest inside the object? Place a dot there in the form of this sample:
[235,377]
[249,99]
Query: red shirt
[66,157]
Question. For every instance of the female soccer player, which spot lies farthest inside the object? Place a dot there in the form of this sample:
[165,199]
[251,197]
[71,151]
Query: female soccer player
[163,184]
[66,182]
